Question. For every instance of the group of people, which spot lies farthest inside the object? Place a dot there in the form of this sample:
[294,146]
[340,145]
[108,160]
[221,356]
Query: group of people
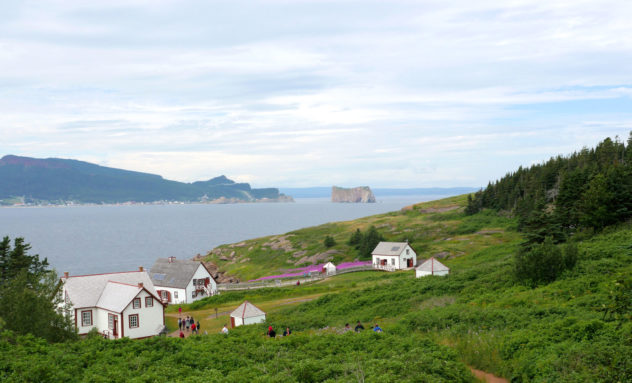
[272,334]
[359,327]
[187,324]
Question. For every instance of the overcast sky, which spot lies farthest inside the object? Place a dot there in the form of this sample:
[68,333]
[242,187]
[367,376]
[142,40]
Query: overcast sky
[314,93]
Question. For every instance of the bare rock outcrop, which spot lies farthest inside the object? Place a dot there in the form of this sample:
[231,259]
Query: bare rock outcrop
[360,194]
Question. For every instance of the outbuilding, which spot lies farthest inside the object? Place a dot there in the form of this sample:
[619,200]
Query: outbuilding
[392,256]
[329,268]
[246,313]
[431,267]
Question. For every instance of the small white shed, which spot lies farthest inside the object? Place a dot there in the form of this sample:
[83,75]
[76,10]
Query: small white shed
[431,267]
[329,268]
[246,313]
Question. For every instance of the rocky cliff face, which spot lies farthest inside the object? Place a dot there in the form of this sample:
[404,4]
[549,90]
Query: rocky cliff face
[361,194]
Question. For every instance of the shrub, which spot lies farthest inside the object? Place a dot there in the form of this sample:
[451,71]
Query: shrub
[329,241]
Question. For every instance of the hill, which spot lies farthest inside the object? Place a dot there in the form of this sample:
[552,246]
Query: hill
[54,180]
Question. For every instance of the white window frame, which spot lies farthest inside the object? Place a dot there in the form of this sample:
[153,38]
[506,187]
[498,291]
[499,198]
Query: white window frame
[175,295]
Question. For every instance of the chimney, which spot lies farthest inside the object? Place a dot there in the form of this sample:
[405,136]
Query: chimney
[140,268]
[140,284]
[66,274]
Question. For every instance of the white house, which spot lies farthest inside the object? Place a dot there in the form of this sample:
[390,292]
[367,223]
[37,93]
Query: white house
[116,304]
[394,256]
[431,267]
[246,313]
[182,281]
[329,268]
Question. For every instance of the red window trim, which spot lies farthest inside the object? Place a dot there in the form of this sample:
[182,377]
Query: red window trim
[91,321]
[129,318]
[139,303]
[149,301]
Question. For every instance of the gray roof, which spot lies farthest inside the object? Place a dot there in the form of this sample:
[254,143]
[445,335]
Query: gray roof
[246,310]
[91,290]
[389,248]
[432,265]
[177,273]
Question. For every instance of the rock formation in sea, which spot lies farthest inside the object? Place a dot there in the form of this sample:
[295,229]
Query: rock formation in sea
[362,194]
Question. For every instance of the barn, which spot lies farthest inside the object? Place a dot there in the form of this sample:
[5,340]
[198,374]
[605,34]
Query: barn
[431,267]
[246,313]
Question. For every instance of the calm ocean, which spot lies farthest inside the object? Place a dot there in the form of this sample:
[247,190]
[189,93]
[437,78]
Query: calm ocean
[99,239]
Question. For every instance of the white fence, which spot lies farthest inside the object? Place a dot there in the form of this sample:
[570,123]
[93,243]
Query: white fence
[287,281]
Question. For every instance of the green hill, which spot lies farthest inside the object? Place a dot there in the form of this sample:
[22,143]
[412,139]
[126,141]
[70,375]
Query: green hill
[55,180]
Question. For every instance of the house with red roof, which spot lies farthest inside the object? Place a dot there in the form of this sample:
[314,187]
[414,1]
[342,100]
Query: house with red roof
[117,305]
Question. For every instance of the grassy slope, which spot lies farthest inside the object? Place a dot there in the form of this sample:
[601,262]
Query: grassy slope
[553,332]
[429,232]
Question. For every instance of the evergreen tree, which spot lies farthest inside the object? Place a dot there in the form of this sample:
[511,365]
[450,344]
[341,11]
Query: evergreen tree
[29,299]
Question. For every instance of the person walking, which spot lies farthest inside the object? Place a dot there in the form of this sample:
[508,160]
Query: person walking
[271,332]
[377,328]
[180,324]
[347,328]
[197,326]
[193,329]
[359,327]
[224,330]
[287,331]
[187,323]
[181,334]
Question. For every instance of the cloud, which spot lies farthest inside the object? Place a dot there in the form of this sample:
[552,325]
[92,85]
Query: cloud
[299,93]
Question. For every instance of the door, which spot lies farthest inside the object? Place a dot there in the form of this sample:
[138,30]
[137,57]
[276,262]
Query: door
[410,262]
[115,327]
[232,322]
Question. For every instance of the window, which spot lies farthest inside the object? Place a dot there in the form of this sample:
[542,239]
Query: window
[149,302]
[193,294]
[175,294]
[133,321]
[136,303]
[111,321]
[393,261]
[86,318]
[407,251]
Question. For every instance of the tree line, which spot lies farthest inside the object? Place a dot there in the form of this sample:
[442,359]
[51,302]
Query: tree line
[554,201]
[587,190]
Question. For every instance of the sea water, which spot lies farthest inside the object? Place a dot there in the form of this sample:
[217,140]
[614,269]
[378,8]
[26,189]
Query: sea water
[100,239]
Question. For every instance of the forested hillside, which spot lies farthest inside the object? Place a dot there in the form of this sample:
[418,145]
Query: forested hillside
[585,191]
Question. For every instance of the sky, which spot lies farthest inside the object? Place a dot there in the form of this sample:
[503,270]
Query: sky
[293,93]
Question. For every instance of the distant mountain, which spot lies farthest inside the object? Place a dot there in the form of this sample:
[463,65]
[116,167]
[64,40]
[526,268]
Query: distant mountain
[55,180]
[325,191]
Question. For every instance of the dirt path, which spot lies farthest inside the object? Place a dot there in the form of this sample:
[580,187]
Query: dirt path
[487,377]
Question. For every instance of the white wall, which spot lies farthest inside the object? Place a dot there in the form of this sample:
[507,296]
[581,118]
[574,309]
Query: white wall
[238,321]
[200,273]
[253,320]
[181,294]
[150,318]
[422,273]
